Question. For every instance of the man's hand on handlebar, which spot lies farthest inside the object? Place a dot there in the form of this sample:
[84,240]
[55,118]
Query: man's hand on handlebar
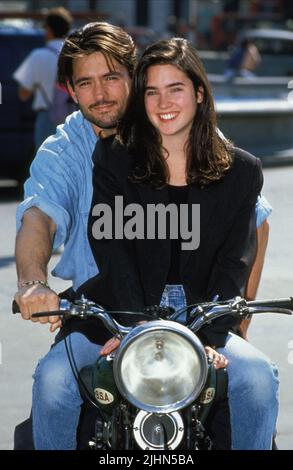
[38,298]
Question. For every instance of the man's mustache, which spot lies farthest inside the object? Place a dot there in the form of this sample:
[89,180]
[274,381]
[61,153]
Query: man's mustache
[101,103]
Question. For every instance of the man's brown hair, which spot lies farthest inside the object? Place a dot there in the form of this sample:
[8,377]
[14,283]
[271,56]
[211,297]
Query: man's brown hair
[112,41]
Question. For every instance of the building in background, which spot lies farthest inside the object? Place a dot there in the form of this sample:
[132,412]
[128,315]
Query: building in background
[211,24]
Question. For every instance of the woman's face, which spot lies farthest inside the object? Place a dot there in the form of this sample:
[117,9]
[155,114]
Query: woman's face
[170,100]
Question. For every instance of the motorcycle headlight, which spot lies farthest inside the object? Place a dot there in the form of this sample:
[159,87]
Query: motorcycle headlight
[160,367]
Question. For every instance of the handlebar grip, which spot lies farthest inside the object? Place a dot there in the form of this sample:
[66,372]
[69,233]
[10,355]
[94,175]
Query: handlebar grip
[275,303]
[64,305]
[15,307]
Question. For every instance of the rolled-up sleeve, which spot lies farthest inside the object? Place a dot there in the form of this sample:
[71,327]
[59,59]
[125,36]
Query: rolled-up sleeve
[263,210]
[51,188]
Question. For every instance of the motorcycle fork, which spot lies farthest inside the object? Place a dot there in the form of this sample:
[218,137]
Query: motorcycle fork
[126,423]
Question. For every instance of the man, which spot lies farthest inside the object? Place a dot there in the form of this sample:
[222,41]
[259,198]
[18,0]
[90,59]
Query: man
[96,63]
[37,73]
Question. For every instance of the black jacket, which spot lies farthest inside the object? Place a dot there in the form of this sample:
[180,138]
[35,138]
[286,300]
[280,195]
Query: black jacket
[133,273]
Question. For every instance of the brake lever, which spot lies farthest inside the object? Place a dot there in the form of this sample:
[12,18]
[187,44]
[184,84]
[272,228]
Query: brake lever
[53,313]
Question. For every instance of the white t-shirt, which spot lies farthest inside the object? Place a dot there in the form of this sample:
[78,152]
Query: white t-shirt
[40,67]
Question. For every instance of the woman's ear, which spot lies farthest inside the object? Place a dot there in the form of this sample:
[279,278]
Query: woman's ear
[199,94]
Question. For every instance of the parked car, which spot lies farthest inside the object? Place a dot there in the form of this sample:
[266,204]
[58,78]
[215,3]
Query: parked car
[16,118]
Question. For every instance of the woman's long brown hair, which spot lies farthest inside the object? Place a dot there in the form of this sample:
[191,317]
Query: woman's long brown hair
[209,155]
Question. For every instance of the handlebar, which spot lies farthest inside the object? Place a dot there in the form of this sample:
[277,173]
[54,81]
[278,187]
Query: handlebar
[199,315]
[286,303]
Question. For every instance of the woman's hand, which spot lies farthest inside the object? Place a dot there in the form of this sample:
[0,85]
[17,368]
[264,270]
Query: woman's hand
[114,343]
[110,346]
[219,361]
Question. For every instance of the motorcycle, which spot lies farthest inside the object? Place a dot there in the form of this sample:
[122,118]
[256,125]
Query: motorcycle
[158,390]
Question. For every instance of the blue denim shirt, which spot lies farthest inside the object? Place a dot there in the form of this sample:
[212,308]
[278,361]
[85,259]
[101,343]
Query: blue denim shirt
[60,184]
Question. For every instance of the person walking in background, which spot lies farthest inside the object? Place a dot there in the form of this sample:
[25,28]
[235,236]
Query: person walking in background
[251,59]
[243,61]
[37,73]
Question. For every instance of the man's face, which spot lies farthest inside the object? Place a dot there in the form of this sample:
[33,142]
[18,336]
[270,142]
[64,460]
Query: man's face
[100,92]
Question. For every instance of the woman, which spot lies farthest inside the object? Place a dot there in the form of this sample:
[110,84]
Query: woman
[168,151]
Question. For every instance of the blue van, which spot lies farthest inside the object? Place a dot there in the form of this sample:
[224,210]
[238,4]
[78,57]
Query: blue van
[16,118]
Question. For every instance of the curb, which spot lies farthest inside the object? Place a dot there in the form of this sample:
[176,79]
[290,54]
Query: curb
[276,160]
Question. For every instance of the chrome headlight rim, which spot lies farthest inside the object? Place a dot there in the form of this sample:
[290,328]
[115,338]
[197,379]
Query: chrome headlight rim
[156,326]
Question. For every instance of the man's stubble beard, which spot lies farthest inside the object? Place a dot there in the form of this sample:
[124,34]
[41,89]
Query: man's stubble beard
[110,120]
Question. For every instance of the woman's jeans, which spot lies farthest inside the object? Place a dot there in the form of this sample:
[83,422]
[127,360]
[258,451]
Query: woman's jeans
[253,390]
[252,387]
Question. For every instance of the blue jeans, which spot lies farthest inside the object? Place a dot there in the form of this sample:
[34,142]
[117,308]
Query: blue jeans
[56,397]
[253,390]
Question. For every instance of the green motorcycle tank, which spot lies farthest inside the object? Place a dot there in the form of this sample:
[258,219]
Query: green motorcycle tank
[99,380]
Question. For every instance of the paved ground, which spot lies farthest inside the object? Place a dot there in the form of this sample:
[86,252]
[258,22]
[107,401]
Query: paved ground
[22,343]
